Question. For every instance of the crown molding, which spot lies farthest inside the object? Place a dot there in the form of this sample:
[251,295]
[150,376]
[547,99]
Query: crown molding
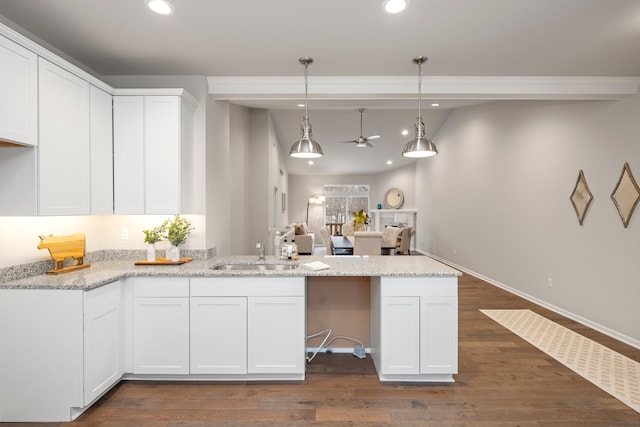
[456,87]
[43,52]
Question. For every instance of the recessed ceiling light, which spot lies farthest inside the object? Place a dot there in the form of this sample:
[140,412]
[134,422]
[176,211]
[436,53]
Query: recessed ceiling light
[405,132]
[300,105]
[161,7]
[395,6]
[435,105]
[389,162]
[310,162]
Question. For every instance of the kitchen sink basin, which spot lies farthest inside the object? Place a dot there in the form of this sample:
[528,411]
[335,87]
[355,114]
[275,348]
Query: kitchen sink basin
[255,267]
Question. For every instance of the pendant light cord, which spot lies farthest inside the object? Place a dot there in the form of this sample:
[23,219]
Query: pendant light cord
[419,60]
[306,98]
[419,88]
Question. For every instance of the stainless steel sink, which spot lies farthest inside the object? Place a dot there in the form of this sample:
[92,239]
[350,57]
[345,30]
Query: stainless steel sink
[255,267]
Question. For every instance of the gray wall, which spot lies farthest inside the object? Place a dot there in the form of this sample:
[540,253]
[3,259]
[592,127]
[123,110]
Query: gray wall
[495,201]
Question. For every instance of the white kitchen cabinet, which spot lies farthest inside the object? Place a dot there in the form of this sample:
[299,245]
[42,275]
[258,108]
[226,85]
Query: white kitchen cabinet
[153,138]
[101,125]
[128,154]
[276,335]
[161,326]
[414,328]
[41,371]
[400,325]
[438,335]
[18,180]
[18,94]
[218,335]
[103,339]
[248,325]
[64,172]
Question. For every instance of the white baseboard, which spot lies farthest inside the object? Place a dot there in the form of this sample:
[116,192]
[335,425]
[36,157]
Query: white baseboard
[593,325]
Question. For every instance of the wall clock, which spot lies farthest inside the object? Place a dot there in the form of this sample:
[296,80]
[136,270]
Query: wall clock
[393,199]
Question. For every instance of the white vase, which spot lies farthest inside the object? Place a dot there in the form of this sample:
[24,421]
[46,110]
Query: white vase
[151,252]
[174,253]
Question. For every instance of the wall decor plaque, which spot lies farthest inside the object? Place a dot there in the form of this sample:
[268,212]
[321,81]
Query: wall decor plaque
[581,197]
[393,199]
[626,195]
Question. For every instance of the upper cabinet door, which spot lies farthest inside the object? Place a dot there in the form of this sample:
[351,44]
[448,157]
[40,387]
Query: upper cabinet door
[64,153]
[128,154]
[101,152]
[162,149]
[152,154]
[18,94]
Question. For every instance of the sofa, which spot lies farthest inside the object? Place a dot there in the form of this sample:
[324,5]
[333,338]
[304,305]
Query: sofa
[304,238]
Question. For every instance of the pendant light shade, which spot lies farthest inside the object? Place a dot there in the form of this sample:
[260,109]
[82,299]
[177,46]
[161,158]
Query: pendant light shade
[306,147]
[419,146]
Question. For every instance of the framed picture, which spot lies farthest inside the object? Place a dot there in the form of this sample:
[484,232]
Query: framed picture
[626,195]
[581,197]
[284,202]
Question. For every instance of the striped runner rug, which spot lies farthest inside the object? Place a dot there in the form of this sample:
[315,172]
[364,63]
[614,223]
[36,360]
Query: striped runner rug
[613,372]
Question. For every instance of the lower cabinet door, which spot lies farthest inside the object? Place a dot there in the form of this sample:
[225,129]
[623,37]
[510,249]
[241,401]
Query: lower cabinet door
[161,335]
[400,335]
[438,335]
[218,335]
[103,340]
[276,335]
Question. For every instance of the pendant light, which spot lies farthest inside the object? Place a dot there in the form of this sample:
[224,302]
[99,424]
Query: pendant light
[306,147]
[419,146]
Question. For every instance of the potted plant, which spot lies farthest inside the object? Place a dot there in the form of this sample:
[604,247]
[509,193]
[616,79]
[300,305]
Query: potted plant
[177,230]
[360,218]
[151,237]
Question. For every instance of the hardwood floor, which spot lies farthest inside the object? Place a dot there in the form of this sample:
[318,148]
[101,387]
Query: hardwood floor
[503,381]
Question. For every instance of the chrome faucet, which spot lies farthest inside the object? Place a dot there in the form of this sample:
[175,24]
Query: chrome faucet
[260,248]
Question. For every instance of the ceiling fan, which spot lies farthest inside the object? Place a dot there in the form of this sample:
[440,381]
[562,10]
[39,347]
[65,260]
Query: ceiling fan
[362,142]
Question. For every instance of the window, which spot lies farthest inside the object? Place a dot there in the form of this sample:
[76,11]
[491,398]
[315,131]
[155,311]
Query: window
[341,200]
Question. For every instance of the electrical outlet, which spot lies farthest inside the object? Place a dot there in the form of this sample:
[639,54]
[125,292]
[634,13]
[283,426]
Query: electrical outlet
[358,351]
[124,234]
[455,251]
[549,282]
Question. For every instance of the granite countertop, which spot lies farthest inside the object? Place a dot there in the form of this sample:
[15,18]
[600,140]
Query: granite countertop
[103,272]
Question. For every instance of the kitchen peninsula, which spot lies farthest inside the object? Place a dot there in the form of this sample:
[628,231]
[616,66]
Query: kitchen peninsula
[68,339]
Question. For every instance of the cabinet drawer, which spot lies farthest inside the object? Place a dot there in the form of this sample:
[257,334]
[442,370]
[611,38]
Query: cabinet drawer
[248,286]
[104,296]
[161,287]
[419,286]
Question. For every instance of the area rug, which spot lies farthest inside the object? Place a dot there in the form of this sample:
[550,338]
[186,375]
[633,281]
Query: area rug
[614,373]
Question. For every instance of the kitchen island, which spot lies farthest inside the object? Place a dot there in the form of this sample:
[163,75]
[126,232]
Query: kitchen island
[68,339]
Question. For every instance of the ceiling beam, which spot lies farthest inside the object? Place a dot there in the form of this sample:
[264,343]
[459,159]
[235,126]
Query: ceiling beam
[442,87]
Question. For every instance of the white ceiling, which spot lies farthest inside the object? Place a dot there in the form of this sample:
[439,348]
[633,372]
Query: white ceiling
[504,38]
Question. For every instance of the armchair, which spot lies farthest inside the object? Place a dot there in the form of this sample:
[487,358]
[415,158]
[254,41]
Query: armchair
[304,238]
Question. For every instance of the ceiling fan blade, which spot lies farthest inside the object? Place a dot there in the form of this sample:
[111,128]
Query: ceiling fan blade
[370,144]
[372,137]
[348,142]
